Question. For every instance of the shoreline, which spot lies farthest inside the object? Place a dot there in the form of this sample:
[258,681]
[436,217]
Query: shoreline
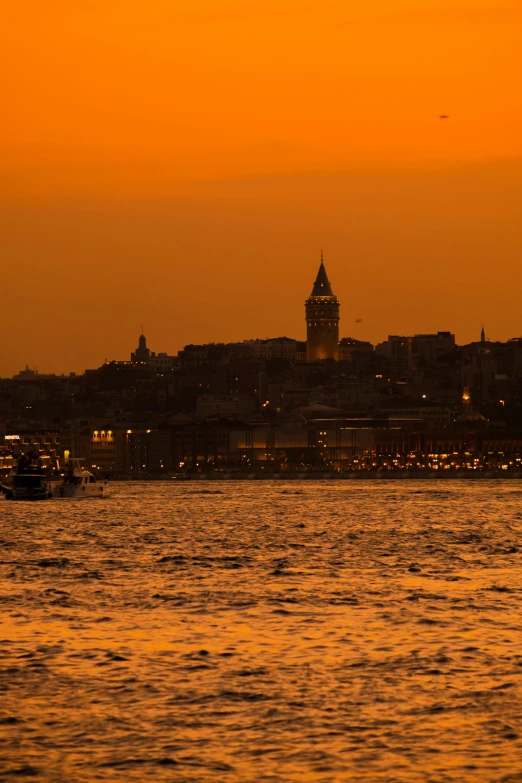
[344,476]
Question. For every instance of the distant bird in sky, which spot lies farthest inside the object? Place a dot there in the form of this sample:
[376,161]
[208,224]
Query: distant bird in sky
[443,116]
[358,320]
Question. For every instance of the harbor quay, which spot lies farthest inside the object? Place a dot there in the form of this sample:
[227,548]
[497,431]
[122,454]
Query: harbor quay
[360,475]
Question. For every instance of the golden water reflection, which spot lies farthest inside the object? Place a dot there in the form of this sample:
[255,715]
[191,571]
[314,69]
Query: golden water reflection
[264,632]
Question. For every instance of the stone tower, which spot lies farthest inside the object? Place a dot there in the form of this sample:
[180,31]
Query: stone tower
[322,320]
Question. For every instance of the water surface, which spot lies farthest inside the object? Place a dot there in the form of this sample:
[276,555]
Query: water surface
[264,631]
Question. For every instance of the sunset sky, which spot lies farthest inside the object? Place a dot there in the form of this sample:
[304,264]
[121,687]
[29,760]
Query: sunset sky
[181,165]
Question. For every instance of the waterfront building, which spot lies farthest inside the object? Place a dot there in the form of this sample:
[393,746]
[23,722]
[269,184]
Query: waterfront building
[43,441]
[102,443]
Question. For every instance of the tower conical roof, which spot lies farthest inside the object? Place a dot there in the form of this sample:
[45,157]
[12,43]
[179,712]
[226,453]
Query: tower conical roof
[322,285]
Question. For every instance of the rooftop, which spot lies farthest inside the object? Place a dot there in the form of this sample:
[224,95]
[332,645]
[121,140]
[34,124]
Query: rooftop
[322,285]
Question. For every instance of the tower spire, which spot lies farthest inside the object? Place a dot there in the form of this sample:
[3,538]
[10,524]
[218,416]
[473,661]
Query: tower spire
[482,335]
[322,285]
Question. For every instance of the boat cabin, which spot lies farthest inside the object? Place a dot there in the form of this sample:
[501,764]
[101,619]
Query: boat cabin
[75,473]
[28,480]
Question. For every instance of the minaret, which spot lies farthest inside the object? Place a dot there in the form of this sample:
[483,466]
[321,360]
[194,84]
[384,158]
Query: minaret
[322,319]
[482,335]
[466,401]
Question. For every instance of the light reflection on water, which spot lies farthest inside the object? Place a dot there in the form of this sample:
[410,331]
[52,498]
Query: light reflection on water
[264,631]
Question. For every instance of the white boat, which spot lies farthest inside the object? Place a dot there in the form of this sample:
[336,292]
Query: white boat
[75,481]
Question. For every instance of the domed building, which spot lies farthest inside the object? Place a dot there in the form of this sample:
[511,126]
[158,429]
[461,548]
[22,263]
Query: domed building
[468,415]
[142,353]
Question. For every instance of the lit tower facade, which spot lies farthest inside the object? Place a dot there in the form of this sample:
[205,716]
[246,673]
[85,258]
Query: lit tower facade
[322,320]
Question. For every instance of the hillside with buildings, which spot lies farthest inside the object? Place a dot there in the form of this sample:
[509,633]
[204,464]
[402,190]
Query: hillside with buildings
[330,403]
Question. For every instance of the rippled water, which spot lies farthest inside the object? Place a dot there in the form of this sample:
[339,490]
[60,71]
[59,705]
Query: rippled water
[304,631]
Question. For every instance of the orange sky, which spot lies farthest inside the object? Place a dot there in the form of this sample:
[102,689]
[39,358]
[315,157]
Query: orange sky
[180,165]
